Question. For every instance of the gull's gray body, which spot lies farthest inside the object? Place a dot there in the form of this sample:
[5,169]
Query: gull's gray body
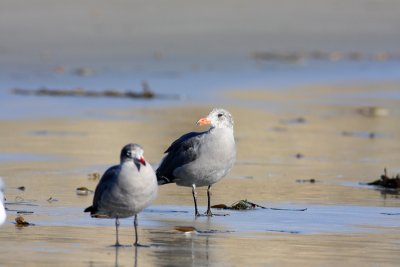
[201,158]
[126,189]
[123,191]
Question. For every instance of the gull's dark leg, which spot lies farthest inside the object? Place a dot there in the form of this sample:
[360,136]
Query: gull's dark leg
[135,224]
[194,193]
[116,231]
[209,213]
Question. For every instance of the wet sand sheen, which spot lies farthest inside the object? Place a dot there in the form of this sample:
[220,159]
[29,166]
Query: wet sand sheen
[41,245]
[266,173]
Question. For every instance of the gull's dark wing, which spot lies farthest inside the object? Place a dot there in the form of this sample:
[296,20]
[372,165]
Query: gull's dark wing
[103,186]
[181,151]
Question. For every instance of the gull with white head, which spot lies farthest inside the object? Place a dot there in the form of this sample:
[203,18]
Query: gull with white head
[201,158]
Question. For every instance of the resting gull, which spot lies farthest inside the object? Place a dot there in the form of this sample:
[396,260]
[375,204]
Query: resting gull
[201,158]
[125,189]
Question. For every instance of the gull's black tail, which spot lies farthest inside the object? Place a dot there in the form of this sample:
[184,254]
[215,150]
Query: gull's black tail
[161,179]
[91,209]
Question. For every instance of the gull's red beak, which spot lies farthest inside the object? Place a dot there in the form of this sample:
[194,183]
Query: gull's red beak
[203,121]
[142,161]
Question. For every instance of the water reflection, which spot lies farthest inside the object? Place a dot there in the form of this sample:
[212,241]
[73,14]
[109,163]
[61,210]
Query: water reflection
[389,193]
[170,249]
[117,256]
[180,249]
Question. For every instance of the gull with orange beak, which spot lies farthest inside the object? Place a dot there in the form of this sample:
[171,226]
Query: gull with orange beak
[201,158]
[125,189]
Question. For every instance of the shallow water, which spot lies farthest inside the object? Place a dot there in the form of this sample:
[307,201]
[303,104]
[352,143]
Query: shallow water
[244,237]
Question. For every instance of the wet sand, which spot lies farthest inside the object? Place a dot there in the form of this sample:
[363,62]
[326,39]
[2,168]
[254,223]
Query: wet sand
[312,135]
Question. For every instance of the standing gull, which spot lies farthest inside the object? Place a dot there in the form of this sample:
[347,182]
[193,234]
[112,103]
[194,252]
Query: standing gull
[3,214]
[201,158]
[125,189]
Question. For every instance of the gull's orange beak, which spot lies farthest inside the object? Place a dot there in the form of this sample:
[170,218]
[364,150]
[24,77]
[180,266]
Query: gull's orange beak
[203,121]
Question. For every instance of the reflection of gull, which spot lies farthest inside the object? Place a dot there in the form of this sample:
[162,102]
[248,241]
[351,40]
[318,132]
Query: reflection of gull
[2,209]
[125,189]
[185,249]
[201,158]
[117,255]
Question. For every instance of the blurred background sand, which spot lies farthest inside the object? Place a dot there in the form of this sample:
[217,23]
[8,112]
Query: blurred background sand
[130,32]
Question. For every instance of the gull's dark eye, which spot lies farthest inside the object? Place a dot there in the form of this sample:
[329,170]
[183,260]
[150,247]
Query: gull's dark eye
[220,115]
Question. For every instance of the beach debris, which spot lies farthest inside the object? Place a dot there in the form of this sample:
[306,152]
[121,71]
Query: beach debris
[299,156]
[244,204]
[83,191]
[21,188]
[186,229]
[81,92]
[20,222]
[220,206]
[94,176]
[311,181]
[299,120]
[51,200]
[387,182]
[19,211]
[373,111]
[24,212]
[370,135]
[238,205]
[283,231]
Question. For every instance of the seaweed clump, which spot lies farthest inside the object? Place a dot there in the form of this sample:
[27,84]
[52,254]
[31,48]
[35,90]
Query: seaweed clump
[20,222]
[79,92]
[244,204]
[387,182]
[239,205]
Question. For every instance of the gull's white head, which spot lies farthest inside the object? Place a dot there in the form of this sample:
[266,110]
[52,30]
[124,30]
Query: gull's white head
[217,118]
